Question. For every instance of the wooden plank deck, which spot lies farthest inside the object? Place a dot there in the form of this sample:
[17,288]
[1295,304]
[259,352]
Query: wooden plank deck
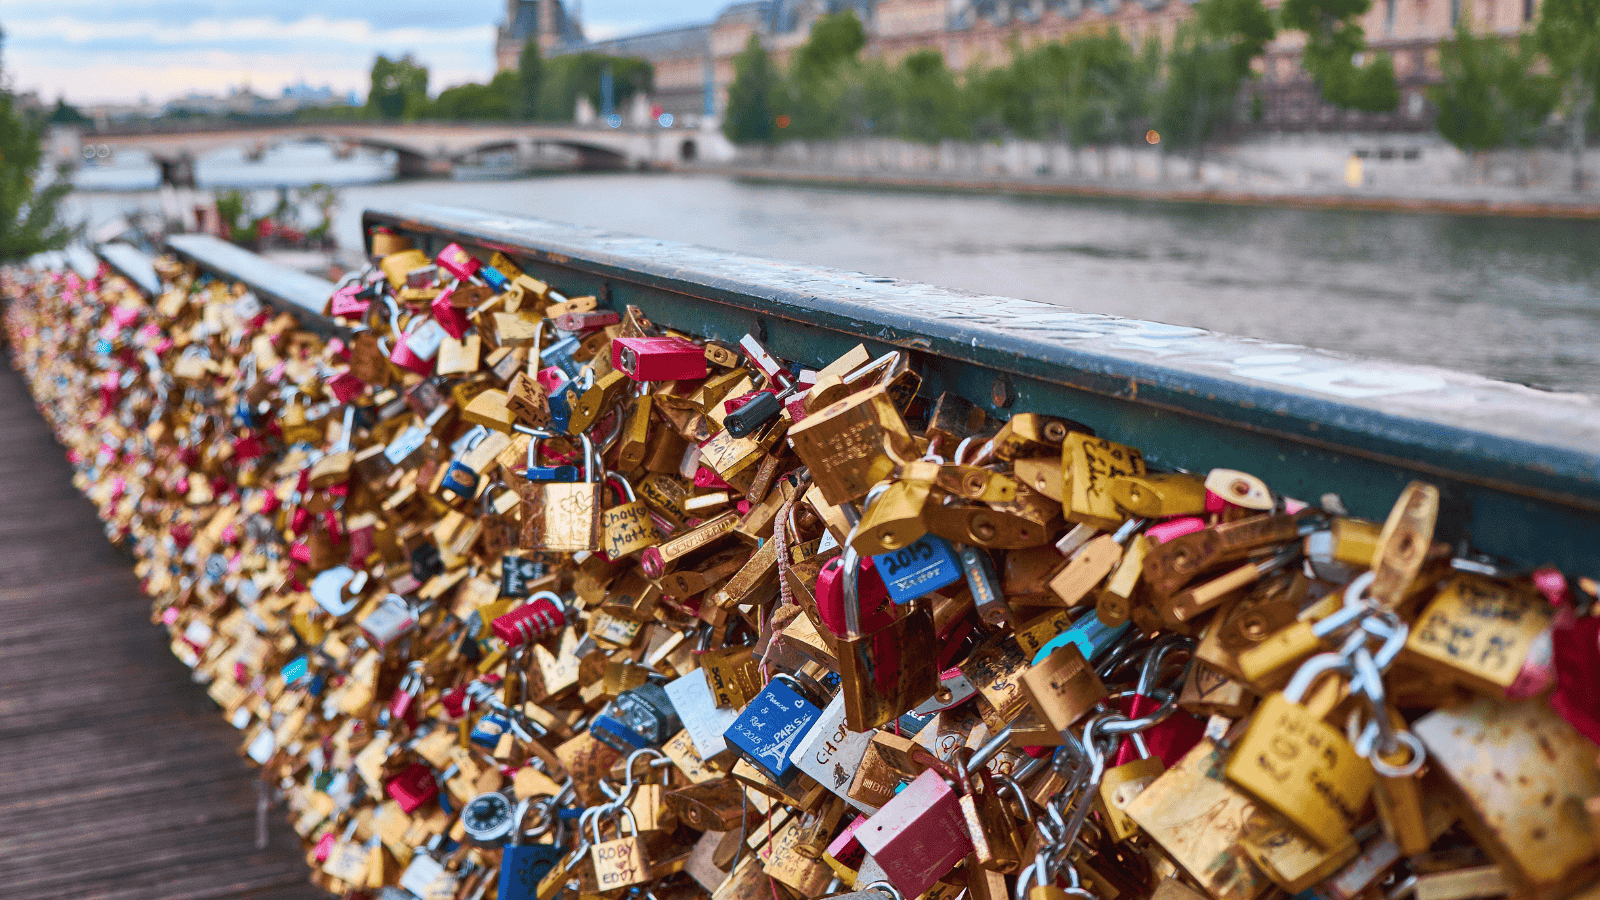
[119,778]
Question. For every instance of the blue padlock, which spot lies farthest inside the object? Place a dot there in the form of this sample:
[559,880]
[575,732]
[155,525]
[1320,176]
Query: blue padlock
[563,355]
[769,728]
[523,866]
[532,471]
[1092,636]
[459,478]
[611,731]
[640,717]
[494,277]
[486,733]
[918,569]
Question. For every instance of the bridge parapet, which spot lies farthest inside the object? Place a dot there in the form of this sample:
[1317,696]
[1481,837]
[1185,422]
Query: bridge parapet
[1518,468]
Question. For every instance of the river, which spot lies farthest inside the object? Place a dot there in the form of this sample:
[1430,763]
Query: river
[1514,299]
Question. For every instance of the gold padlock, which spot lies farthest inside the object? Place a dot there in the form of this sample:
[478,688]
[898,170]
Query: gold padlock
[561,517]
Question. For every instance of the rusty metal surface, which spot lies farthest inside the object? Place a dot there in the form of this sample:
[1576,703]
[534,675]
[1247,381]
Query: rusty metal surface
[1518,766]
[120,779]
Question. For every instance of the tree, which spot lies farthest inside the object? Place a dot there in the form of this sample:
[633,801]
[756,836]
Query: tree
[751,117]
[1334,40]
[1568,34]
[1489,94]
[67,114]
[1210,58]
[1092,91]
[471,101]
[29,214]
[530,75]
[926,102]
[399,87]
[567,77]
[835,39]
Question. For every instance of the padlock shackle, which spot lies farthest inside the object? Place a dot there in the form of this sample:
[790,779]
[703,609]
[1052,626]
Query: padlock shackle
[1314,669]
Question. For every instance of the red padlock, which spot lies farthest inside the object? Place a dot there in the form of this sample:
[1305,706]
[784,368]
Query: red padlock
[1172,738]
[346,387]
[450,317]
[658,358]
[542,615]
[876,610]
[412,786]
[1575,652]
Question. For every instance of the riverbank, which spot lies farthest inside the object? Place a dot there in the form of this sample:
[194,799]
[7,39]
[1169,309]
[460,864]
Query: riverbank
[1489,200]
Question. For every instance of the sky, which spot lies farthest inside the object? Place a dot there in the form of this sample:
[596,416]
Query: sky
[93,51]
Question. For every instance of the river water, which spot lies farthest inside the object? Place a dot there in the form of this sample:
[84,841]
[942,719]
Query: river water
[1515,299]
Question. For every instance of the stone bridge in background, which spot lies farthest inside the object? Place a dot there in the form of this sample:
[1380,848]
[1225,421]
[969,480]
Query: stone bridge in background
[428,149]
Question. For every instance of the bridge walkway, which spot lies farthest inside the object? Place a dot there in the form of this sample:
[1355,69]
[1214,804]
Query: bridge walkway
[119,779]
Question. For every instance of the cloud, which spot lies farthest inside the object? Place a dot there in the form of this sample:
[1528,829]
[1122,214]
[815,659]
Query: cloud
[91,60]
[106,50]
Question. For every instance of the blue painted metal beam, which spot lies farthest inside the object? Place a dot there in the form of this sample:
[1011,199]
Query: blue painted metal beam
[82,260]
[279,286]
[1519,468]
[133,264]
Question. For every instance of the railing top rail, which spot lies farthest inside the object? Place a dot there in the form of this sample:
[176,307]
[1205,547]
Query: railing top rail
[133,264]
[82,260]
[283,287]
[1485,431]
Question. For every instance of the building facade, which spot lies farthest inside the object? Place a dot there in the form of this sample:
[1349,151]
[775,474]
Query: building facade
[547,21]
[694,65]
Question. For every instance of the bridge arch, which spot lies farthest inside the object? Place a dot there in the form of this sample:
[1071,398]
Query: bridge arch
[592,155]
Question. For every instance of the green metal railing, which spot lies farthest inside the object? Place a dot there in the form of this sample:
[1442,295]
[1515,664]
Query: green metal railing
[1519,469]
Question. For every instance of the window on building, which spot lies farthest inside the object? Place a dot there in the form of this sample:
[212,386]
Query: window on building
[1388,16]
[1527,10]
[1455,13]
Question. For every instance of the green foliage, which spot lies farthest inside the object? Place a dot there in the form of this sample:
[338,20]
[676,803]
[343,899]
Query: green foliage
[29,213]
[752,108]
[1245,25]
[282,225]
[1093,88]
[530,76]
[67,114]
[399,88]
[1333,41]
[1489,94]
[1372,87]
[565,78]
[1200,90]
[1568,34]
[922,101]
[474,101]
[1210,58]
[835,40]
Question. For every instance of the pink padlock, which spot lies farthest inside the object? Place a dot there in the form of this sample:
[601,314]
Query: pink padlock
[450,317]
[403,356]
[458,262]
[345,302]
[1161,532]
[919,835]
[552,379]
[658,358]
